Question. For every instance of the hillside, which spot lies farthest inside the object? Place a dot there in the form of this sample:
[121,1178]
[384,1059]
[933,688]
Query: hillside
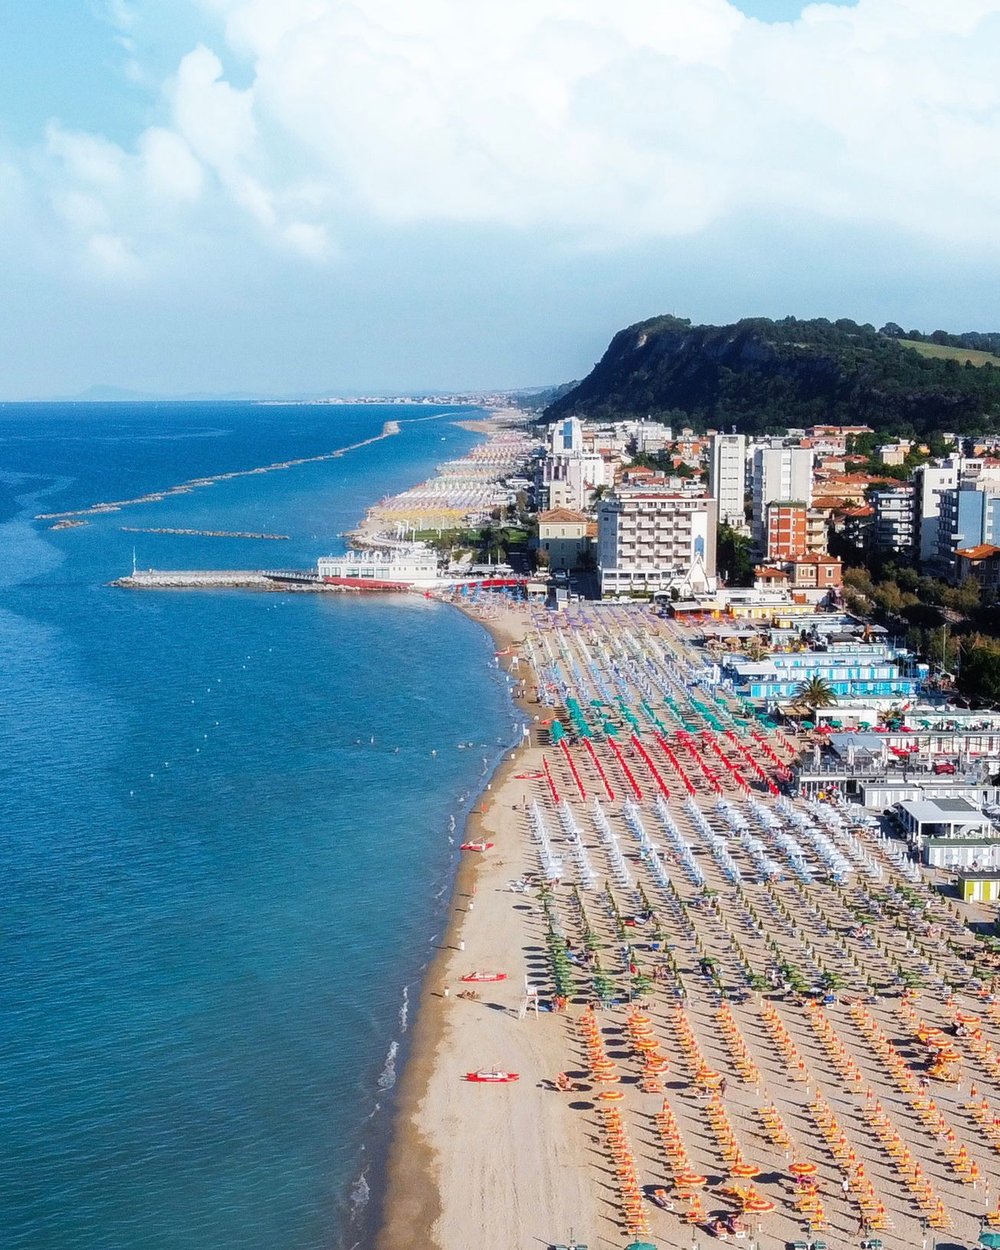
[760,375]
[961,354]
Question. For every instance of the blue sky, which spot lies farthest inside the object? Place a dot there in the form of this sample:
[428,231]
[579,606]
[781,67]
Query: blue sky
[316,196]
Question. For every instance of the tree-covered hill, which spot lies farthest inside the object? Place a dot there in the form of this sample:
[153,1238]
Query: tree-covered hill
[761,375]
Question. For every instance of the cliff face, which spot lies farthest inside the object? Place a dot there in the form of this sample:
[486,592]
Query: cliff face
[760,374]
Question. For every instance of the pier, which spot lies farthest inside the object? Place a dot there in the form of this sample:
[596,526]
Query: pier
[187,579]
[232,579]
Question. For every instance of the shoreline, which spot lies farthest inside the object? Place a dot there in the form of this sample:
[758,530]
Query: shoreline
[411,1204]
[406,1196]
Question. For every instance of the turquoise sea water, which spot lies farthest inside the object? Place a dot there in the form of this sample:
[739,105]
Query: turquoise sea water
[224,838]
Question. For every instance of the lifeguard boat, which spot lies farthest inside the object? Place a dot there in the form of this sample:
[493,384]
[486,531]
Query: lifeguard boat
[492,1076]
[477,846]
[485,976]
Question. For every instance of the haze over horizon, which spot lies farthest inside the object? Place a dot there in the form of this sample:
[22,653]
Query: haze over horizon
[229,196]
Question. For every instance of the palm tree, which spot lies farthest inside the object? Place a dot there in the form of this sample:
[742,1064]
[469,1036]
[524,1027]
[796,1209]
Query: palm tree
[756,649]
[813,694]
[892,717]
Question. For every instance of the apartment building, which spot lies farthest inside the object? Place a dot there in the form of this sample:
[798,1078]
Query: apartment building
[970,517]
[894,527]
[779,474]
[786,530]
[727,473]
[649,541]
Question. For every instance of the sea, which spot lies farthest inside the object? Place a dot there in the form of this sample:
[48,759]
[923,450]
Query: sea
[228,827]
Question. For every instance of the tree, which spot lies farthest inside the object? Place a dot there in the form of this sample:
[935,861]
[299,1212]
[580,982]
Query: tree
[733,556]
[813,694]
[980,675]
[892,716]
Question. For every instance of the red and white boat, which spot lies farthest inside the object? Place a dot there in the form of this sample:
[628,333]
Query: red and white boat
[476,846]
[492,1076]
[485,976]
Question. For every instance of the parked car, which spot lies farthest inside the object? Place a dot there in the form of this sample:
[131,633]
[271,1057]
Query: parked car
[945,766]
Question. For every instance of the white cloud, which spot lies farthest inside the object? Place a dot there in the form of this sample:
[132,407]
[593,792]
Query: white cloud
[89,159]
[109,256]
[216,120]
[308,239]
[603,120]
[169,168]
[623,117]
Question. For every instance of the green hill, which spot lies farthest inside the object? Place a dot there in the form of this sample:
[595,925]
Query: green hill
[961,354]
[761,375]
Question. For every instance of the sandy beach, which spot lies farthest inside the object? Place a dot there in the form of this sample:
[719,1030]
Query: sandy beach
[799,1118]
[432,1171]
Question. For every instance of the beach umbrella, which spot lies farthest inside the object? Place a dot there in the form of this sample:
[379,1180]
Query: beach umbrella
[611,1095]
[803,1169]
[748,1170]
[757,1204]
[690,1180]
[989,1238]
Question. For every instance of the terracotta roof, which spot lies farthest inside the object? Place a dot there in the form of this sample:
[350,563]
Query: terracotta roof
[814,557]
[982,552]
[765,573]
[565,516]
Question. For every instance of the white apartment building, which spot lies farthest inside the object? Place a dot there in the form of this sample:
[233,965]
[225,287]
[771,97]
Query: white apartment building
[650,541]
[931,482]
[566,436]
[780,475]
[727,472]
[568,480]
[650,436]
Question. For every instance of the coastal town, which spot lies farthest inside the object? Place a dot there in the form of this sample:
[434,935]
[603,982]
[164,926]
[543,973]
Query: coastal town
[500,625]
[725,927]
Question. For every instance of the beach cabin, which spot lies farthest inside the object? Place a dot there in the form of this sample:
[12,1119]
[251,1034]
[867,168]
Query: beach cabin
[949,833]
[982,886]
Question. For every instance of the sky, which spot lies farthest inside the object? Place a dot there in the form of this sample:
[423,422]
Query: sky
[378,196]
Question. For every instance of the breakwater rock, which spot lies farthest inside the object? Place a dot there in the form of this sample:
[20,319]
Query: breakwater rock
[136,529]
